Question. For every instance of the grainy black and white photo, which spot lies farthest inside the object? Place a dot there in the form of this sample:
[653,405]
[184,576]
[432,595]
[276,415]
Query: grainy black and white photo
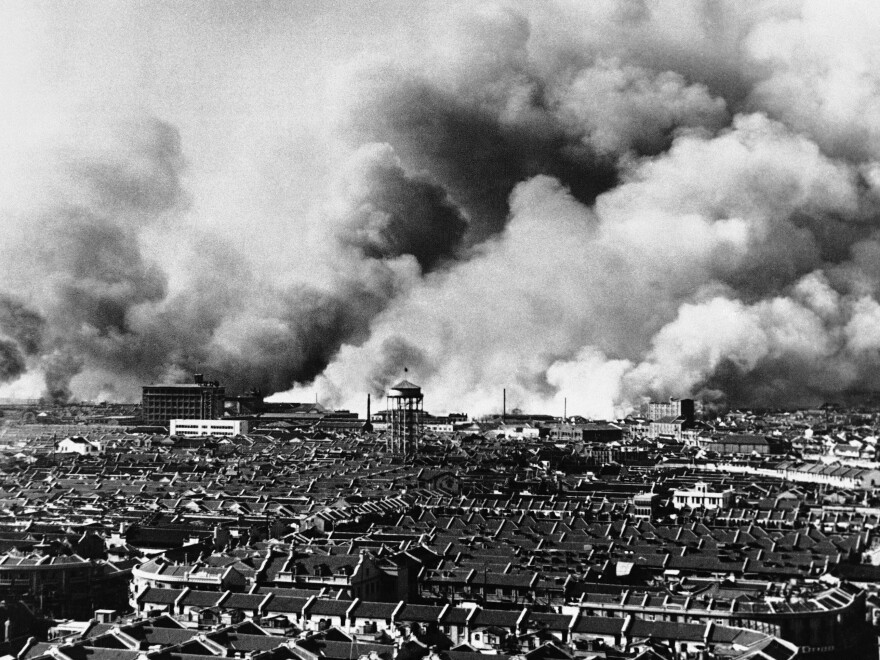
[412,330]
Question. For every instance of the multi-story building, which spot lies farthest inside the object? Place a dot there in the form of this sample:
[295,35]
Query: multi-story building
[202,427]
[197,400]
[668,427]
[673,408]
[158,572]
[646,505]
[701,496]
[62,586]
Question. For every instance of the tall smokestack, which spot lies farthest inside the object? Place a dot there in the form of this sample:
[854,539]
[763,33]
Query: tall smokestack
[368,425]
[504,405]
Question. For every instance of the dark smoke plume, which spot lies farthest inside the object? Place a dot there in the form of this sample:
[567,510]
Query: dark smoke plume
[21,324]
[12,363]
[391,213]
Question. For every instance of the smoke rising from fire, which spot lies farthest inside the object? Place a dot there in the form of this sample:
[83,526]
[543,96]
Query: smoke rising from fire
[594,201]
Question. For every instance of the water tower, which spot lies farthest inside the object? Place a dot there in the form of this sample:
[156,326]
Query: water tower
[405,405]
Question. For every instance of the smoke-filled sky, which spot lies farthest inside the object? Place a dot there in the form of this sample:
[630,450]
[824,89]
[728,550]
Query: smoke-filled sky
[592,201]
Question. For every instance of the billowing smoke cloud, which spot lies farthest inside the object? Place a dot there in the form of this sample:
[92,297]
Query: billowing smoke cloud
[112,318]
[12,362]
[700,274]
[388,213]
[594,201]
[72,247]
[484,114]
[21,335]
[21,324]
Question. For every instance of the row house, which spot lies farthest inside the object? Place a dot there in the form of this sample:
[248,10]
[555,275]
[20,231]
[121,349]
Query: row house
[484,630]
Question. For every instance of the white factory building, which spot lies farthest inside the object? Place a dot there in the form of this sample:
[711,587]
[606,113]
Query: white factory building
[203,427]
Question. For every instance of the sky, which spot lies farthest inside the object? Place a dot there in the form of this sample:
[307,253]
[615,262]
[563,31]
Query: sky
[598,202]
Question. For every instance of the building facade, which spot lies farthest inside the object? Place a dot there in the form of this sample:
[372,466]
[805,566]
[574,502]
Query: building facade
[673,408]
[62,586]
[78,445]
[701,496]
[197,400]
[226,428]
[668,427]
[586,432]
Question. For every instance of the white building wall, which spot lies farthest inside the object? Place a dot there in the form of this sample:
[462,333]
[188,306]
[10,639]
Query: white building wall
[203,427]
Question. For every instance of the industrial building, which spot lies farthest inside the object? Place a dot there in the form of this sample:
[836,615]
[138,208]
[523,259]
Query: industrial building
[674,408]
[670,419]
[200,399]
[586,432]
[204,427]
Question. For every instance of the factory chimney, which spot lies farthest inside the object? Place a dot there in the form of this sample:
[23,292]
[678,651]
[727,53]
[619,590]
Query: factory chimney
[368,425]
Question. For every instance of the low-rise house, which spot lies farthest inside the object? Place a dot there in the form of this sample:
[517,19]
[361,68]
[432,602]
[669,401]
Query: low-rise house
[158,572]
[703,497]
[78,445]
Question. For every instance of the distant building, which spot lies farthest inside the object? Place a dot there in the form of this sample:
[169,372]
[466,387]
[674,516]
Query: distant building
[159,572]
[596,454]
[78,445]
[304,415]
[197,400]
[245,404]
[587,432]
[740,443]
[63,586]
[407,414]
[437,424]
[833,474]
[516,430]
[670,419]
[701,497]
[646,505]
[674,408]
[668,427]
[203,427]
